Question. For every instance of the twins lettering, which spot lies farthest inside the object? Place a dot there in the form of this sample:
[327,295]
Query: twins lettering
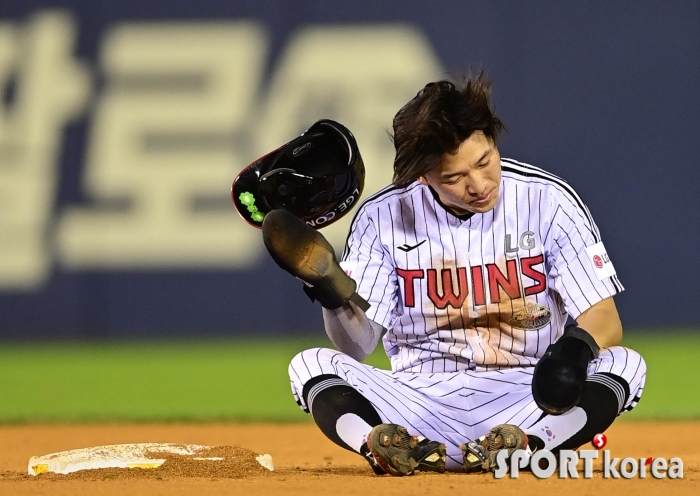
[488,282]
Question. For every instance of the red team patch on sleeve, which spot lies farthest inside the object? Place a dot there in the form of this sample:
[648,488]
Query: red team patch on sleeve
[602,265]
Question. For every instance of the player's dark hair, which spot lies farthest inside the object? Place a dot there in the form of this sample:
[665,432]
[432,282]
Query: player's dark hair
[436,121]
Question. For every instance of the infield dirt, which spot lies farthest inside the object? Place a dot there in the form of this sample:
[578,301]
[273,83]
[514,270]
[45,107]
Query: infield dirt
[307,463]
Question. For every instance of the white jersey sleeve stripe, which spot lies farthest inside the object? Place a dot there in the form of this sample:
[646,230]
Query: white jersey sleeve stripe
[531,170]
[430,249]
[368,201]
[573,299]
[586,218]
[405,259]
[592,282]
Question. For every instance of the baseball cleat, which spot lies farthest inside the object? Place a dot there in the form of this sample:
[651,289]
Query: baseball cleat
[480,454]
[373,463]
[398,453]
[474,456]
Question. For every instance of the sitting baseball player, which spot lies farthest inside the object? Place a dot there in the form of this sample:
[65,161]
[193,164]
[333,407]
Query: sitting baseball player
[471,269]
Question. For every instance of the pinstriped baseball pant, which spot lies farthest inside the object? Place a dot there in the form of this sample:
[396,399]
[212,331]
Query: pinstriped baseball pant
[453,407]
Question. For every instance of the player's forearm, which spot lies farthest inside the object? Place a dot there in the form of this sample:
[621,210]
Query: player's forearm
[351,331]
[603,323]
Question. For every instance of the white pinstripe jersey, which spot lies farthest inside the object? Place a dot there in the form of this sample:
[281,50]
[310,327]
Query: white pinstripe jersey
[480,291]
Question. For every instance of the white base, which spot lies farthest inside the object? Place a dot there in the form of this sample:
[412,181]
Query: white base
[142,455]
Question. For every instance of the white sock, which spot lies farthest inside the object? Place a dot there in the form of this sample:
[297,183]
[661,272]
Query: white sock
[353,430]
[555,429]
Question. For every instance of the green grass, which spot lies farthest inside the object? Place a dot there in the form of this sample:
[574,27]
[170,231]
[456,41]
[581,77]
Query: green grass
[181,381]
[244,380]
[672,389]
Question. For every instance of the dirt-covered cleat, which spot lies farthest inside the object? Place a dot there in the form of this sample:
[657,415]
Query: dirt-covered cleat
[373,463]
[399,453]
[480,454]
[474,456]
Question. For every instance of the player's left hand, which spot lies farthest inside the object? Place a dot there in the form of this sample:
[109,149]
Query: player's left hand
[308,256]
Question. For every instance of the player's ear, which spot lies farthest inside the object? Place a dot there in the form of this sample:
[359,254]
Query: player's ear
[422,180]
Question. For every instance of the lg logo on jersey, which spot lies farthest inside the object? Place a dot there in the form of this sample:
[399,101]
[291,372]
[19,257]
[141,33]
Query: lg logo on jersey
[599,261]
[526,242]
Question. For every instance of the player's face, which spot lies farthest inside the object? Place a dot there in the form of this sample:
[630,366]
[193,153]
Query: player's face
[469,180]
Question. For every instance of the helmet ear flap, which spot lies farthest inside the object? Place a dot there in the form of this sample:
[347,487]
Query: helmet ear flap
[318,176]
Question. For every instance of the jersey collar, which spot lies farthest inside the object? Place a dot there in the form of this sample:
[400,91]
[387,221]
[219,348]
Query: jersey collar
[466,216]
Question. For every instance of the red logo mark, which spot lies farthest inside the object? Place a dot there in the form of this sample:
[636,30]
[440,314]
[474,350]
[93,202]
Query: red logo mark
[648,461]
[599,441]
[598,261]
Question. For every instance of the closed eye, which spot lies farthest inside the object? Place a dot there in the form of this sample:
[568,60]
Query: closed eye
[453,180]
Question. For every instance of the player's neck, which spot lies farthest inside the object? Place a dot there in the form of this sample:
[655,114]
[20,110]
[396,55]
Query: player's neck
[459,213]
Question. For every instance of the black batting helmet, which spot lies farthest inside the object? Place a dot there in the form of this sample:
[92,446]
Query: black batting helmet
[318,177]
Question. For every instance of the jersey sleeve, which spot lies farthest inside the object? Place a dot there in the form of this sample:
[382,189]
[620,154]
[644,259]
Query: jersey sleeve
[367,261]
[580,268]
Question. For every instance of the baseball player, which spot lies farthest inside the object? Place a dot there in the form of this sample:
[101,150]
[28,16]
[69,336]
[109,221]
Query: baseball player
[485,278]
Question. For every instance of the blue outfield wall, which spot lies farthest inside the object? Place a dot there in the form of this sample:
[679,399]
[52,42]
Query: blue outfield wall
[122,125]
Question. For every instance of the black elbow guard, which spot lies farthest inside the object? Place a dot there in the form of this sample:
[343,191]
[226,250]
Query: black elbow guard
[559,376]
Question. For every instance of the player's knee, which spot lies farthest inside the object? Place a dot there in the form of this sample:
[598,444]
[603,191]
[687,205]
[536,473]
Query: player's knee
[636,365]
[312,363]
[624,362]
